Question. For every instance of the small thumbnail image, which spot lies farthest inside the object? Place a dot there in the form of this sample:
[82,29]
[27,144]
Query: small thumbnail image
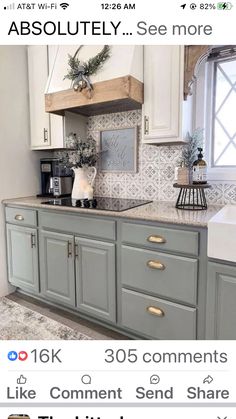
[18,416]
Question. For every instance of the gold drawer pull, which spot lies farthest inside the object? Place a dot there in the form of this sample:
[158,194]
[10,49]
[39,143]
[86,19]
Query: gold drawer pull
[155,311]
[19,217]
[155,264]
[156,239]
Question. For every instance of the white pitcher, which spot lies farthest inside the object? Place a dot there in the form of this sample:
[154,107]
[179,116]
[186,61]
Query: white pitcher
[82,189]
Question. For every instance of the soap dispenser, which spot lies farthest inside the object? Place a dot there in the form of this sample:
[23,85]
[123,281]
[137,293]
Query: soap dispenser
[200,169]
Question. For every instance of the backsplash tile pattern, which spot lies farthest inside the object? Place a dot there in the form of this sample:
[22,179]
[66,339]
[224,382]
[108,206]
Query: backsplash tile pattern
[155,177]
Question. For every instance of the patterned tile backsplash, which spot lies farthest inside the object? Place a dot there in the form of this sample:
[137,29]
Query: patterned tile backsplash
[155,176]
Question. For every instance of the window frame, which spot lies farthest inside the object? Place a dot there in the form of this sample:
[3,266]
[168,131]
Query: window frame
[220,173]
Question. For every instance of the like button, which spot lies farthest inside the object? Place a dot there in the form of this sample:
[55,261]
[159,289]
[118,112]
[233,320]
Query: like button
[21,380]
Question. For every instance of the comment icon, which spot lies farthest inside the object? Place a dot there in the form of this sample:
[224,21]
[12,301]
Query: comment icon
[86,379]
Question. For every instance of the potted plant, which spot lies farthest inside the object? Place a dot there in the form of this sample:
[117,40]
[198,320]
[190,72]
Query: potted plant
[189,155]
[81,155]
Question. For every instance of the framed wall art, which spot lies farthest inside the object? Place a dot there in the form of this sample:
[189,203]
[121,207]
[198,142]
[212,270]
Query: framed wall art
[118,150]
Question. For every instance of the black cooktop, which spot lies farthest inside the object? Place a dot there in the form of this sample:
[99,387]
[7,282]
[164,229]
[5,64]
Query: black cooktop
[100,203]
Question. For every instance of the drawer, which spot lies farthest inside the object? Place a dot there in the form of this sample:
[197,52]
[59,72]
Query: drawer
[156,318]
[158,273]
[77,224]
[161,238]
[21,216]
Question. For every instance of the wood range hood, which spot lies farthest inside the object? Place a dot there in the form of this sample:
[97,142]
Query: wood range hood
[117,87]
[115,95]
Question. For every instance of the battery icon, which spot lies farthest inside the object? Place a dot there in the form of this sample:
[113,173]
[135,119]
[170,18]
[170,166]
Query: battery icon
[224,6]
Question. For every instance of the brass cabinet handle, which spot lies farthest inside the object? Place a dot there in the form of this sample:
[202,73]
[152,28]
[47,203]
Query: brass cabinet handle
[45,135]
[155,311]
[19,217]
[69,249]
[156,239]
[155,264]
[76,250]
[33,241]
[146,125]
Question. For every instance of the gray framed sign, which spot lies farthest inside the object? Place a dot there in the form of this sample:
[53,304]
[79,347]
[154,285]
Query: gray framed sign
[118,150]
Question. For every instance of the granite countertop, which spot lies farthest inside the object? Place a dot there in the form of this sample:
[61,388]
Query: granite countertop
[161,211]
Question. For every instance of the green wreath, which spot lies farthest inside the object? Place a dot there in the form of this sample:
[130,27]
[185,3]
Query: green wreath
[79,72]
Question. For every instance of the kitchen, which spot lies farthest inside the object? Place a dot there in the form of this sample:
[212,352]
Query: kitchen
[124,256]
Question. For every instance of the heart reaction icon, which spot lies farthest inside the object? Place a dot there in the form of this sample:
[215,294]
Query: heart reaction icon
[22,356]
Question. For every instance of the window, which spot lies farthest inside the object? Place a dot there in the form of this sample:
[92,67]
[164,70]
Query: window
[224,114]
[216,111]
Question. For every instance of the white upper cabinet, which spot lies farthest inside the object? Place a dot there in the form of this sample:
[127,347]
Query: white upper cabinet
[47,131]
[163,94]
[39,119]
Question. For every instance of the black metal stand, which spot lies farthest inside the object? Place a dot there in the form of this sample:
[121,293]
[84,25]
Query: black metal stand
[191,197]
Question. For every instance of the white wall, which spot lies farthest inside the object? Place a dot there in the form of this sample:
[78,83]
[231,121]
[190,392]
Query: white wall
[19,167]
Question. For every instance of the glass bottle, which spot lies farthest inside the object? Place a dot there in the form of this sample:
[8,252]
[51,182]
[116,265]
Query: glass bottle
[200,169]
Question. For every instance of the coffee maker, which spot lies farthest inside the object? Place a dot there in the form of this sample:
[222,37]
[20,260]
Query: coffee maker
[46,172]
[56,179]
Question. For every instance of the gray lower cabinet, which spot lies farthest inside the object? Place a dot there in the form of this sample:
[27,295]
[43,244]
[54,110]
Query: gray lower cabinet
[95,278]
[221,301]
[156,318]
[57,267]
[155,273]
[147,278]
[79,272]
[158,287]
[160,238]
[22,251]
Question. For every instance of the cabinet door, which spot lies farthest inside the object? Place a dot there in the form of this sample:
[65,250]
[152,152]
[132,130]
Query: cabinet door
[95,278]
[38,74]
[163,93]
[221,302]
[22,257]
[57,267]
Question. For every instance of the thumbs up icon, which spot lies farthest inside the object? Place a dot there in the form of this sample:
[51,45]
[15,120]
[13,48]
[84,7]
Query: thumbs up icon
[21,380]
